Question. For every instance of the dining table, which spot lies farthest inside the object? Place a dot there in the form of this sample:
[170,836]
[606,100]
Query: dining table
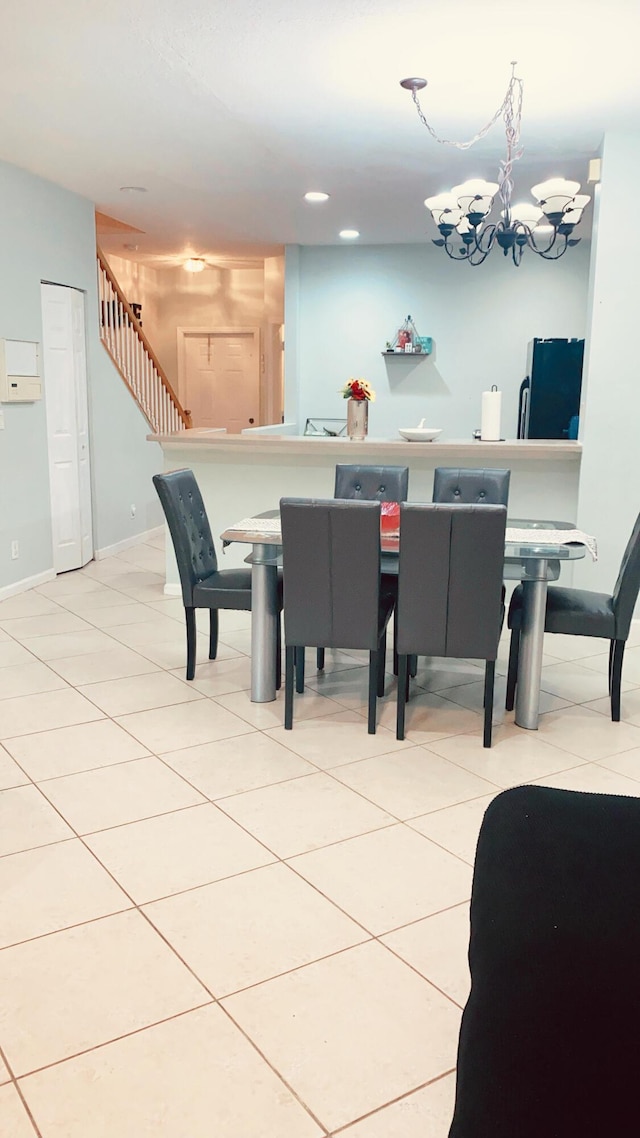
[533,560]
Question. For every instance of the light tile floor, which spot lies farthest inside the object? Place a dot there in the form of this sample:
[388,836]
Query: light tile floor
[210,925]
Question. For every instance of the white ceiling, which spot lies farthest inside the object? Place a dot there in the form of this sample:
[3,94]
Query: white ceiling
[228,111]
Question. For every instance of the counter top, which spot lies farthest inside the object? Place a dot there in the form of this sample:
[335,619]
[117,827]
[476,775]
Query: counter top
[213,441]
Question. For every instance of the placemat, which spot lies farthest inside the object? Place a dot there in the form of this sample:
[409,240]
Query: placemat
[552,537]
[257,525]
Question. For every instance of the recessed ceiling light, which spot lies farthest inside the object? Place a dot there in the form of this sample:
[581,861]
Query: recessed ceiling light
[133,189]
[128,245]
[194,264]
[349,234]
[316,196]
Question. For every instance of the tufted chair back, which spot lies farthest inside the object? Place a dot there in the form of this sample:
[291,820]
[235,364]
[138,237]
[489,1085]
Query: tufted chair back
[471,487]
[625,593]
[372,483]
[189,527]
[450,580]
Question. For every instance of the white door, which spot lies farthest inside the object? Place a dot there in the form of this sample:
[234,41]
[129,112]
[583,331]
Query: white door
[221,379]
[65,388]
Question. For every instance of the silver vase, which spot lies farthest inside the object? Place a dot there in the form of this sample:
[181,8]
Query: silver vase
[357,418]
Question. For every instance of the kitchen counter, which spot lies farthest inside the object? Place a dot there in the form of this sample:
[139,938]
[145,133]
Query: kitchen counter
[373,450]
[243,475]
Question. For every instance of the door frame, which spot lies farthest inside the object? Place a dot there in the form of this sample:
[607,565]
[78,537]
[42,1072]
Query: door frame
[82,403]
[251,330]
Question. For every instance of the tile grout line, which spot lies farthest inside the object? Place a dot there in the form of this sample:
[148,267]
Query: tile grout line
[399,1098]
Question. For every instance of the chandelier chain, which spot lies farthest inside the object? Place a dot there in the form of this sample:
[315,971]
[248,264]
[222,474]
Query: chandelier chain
[510,110]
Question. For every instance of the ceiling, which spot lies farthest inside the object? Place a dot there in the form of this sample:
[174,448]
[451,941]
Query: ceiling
[228,112]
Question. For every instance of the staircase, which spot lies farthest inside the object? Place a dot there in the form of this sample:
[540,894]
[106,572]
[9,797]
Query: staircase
[133,356]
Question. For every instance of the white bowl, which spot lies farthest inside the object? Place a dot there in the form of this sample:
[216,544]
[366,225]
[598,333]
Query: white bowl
[420,434]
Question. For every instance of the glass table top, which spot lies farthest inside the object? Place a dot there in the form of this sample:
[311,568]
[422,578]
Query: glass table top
[531,550]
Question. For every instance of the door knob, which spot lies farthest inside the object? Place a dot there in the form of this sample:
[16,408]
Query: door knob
[251,420]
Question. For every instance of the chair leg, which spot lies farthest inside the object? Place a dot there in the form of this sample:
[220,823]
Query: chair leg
[512,673]
[213,633]
[489,679]
[320,659]
[373,689]
[279,654]
[382,662]
[300,670]
[289,667]
[190,617]
[403,683]
[612,645]
[395,642]
[413,667]
[616,678]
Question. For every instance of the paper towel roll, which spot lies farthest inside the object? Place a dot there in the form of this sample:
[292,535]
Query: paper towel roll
[491,408]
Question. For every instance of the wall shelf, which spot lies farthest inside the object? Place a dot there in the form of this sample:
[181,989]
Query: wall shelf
[406,355]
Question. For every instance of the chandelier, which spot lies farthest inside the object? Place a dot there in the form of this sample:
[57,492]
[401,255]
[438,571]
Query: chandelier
[462,214]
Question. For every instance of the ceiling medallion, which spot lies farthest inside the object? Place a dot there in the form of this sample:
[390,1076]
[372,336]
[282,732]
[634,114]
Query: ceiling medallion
[462,214]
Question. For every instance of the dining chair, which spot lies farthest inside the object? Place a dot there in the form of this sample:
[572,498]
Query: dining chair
[548,1043]
[371,484]
[484,487]
[204,586]
[580,612]
[450,590]
[333,591]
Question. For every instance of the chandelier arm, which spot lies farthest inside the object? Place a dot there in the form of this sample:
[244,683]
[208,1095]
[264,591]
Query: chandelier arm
[486,240]
[556,256]
[531,241]
[474,261]
[447,248]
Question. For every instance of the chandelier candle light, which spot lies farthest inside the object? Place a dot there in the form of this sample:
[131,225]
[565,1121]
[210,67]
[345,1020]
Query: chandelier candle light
[462,214]
[359,395]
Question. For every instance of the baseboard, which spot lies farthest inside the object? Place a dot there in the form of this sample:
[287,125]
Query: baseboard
[7,591]
[172,590]
[127,543]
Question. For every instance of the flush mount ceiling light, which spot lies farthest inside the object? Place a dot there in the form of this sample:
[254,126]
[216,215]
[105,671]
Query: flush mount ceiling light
[316,196]
[462,214]
[349,234]
[194,264]
[133,189]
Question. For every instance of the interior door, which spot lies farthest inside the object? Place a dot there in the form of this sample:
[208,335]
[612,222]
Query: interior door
[65,387]
[222,379]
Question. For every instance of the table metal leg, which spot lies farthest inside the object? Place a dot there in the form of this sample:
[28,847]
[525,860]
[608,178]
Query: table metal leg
[264,624]
[534,606]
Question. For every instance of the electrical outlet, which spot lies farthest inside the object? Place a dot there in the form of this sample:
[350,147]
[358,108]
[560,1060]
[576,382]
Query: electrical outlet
[15,550]
[133,511]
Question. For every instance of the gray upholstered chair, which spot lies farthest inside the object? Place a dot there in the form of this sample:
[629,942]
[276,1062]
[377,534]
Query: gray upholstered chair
[580,612]
[204,586]
[372,483]
[333,594]
[484,487]
[450,590]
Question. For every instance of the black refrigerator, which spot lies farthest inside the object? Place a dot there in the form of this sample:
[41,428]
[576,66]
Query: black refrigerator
[549,402]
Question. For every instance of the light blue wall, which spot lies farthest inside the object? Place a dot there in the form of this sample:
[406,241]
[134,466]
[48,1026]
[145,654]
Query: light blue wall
[47,233]
[351,299]
[609,499]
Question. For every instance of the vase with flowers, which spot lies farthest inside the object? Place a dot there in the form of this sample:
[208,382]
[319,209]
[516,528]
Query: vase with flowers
[359,395]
